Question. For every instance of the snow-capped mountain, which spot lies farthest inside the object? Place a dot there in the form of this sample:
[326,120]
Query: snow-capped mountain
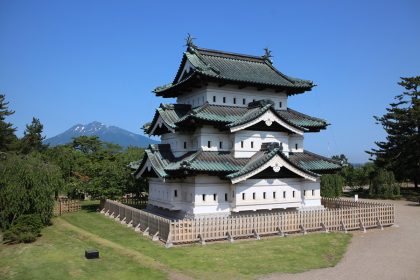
[106,133]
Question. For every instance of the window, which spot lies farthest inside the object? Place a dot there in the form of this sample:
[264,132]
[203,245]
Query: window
[296,146]
[280,104]
[208,144]
[264,196]
[284,194]
[221,145]
[293,194]
[185,145]
[252,144]
[244,101]
[243,196]
[313,192]
[242,144]
[214,197]
[304,193]
[214,98]
[253,195]
[226,197]
[274,195]
[204,197]
[253,100]
[224,99]
[234,100]
[176,193]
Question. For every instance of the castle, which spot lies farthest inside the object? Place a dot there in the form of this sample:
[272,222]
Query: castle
[230,144]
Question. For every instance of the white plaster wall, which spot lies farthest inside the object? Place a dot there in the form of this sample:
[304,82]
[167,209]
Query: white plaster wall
[199,96]
[257,138]
[296,139]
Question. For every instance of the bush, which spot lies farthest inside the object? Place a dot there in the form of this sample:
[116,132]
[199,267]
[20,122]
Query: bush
[26,229]
[383,184]
[331,185]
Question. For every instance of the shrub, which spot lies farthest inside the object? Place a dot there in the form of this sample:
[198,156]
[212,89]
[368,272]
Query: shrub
[331,185]
[26,229]
[383,184]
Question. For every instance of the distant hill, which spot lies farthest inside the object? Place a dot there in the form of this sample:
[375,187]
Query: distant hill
[106,133]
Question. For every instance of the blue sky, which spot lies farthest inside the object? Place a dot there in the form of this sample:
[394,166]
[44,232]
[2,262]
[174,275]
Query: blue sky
[69,62]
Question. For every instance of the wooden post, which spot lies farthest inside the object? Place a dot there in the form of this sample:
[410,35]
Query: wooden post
[229,237]
[362,226]
[137,228]
[256,235]
[280,232]
[378,222]
[303,229]
[324,228]
[146,231]
[130,224]
[343,227]
[202,241]
[155,236]
[123,220]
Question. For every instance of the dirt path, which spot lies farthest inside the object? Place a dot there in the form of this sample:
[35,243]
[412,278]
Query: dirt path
[393,253]
[135,255]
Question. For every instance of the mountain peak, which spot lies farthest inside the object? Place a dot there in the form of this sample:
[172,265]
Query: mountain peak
[112,134]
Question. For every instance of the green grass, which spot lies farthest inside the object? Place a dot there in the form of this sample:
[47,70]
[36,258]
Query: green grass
[58,254]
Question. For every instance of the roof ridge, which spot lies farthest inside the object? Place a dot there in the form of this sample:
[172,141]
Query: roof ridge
[219,53]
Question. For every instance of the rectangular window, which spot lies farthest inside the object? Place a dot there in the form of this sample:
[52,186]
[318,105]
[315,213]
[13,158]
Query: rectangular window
[242,144]
[293,194]
[244,101]
[304,193]
[175,193]
[234,100]
[221,145]
[185,145]
[274,195]
[252,144]
[214,98]
[284,194]
[296,146]
[253,195]
[226,197]
[280,104]
[243,196]
[264,195]
[204,197]
[313,192]
[208,144]
[214,197]
[224,99]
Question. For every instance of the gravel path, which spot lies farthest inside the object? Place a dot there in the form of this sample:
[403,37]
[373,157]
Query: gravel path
[393,253]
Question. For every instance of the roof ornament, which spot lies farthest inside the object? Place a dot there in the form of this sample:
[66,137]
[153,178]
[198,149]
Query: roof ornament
[267,55]
[189,41]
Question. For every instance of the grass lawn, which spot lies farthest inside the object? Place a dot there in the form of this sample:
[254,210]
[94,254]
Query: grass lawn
[125,254]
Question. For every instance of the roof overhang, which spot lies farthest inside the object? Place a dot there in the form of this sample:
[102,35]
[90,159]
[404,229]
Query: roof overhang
[158,124]
[277,162]
[268,118]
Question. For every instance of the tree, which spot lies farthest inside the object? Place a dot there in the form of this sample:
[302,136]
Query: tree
[383,184]
[87,144]
[7,131]
[27,186]
[341,158]
[32,137]
[400,152]
[331,185]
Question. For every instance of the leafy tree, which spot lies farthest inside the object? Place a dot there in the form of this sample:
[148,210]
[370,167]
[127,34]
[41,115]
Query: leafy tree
[383,184]
[32,138]
[7,131]
[341,158]
[87,144]
[331,185]
[400,152]
[27,185]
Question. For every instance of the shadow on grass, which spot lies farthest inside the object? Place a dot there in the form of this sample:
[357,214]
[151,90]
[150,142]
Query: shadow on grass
[90,205]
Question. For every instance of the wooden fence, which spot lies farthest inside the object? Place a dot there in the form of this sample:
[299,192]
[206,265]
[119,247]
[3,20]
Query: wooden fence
[343,215]
[138,203]
[64,205]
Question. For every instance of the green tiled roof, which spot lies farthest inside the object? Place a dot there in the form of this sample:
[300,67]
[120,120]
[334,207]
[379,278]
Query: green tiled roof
[233,68]
[229,116]
[166,165]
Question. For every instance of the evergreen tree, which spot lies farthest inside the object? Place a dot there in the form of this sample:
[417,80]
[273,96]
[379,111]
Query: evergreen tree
[400,152]
[32,139]
[7,131]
